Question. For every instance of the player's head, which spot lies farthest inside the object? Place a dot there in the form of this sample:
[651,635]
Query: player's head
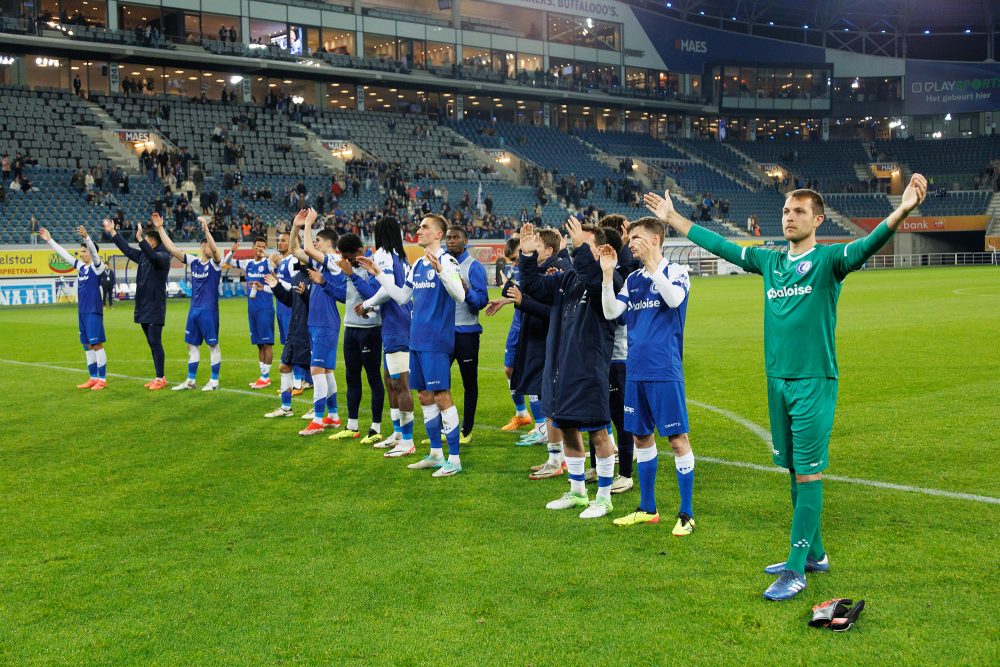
[613,220]
[283,243]
[431,230]
[511,248]
[388,236]
[152,238]
[648,229]
[85,255]
[455,240]
[613,236]
[350,248]
[205,251]
[259,248]
[326,240]
[550,243]
[803,213]
[593,236]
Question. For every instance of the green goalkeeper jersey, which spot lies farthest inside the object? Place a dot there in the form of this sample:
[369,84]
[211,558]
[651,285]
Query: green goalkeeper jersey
[800,297]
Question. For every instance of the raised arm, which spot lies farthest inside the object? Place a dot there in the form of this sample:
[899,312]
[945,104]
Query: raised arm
[311,250]
[612,304]
[213,249]
[132,253]
[857,252]
[294,247]
[62,252]
[746,258]
[96,264]
[166,240]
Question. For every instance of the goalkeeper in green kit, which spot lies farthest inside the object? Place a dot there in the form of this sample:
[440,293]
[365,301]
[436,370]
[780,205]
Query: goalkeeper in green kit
[801,289]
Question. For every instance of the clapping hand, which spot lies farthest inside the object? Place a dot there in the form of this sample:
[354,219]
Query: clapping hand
[494,306]
[368,265]
[156,220]
[108,226]
[433,260]
[575,230]
[608,258]
[316,276]
[529,239]
[346,266]
[44,233]
[82,231]
[659,206]
[914,193]
[271,280]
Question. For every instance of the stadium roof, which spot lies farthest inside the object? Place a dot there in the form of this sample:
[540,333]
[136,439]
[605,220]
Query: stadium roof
[951,30]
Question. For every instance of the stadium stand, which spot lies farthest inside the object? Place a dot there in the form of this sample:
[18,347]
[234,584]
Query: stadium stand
[396,137]
[264,137]
[973,202]
[830,163]
[950,163]
[42,124]
[860,205]
[630,144]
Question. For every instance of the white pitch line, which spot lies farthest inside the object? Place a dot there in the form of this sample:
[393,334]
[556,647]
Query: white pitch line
[754,428]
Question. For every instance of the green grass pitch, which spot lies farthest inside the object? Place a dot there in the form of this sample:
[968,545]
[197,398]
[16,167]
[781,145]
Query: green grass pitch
[185,529]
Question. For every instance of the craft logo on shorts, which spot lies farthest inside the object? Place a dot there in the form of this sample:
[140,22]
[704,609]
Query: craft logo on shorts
[802,267]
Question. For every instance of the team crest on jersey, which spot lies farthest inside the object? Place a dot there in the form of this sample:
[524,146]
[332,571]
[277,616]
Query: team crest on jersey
[653,288]
[430,274]
[802,267]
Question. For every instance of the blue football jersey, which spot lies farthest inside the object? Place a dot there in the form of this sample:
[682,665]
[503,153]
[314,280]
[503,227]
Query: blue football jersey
[432,328]
[323,302]
[395,318]
[88,289]
[655,331]
[204,283]
[255,271]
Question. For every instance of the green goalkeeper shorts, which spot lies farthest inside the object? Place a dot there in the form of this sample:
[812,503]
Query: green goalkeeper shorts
[801,413]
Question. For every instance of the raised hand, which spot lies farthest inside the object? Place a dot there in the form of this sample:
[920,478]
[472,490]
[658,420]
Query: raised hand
[914,193]
[108,226]
[311,216]
[433,260]
[138,232]
[82,231]
[659,206]
[368,265]
[236,246]
[529,239]
[205,222]
[275,258]
[316,276]
[608,258]
[575,231]
[44,233]
[624,232]
[300,219]
[156,220]
[270,279]
[346,266]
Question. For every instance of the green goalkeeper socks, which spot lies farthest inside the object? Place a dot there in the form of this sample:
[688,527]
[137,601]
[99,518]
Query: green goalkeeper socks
[805,524]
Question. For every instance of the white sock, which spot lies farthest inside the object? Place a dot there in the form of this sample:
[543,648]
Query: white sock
[91,359]
[543,428]
[574,466]
[286,382]
[265,369]
[605,469]
[331,389]
[101,356]
[394,414]
[455,459]
[449,420]
[556,453]
[352,424]
[684,464]
[260,365]
[215,354]
[377,427]
[404,419]
[430,414]
[521,413]
[319,393]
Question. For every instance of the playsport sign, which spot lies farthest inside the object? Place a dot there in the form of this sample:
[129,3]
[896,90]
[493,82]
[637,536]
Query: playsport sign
[940,88]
